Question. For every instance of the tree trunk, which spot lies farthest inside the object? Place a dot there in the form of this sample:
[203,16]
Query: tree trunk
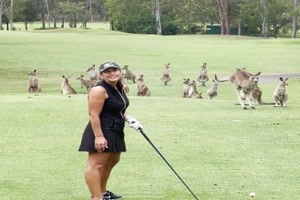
[157,16]
[11,18]
[43,15]
[240,32]
[240,27]
[1,11]
[104,13]
[48,13]
[91,11]
[43,20]
[54,22]
[62,22]
[295,19]
[221,17]
[275,29]
[112,25]
[264,31]
[224,18]
[26,25]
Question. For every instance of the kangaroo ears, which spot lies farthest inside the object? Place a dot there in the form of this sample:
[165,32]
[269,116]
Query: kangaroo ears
[281,79]
[258,74]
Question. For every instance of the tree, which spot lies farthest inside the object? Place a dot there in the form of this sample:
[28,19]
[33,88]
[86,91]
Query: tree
[224,16]
[74,11]
[157,17]
[296,11]
[189,14]
[10,9]
[264,15]
[29,12]
[1,13]
[279,16]
[134,16]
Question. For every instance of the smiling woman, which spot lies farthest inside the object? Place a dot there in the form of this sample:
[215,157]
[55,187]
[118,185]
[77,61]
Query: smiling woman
[103,136]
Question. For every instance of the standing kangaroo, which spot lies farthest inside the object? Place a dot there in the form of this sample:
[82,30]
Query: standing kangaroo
[66,87]
[166,74]
[243,82]
[203,77]
[128,75]
[87,83]
[280,95]
[33,83]
[93,74]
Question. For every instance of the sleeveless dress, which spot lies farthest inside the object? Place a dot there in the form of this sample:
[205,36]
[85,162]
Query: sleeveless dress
[112,122]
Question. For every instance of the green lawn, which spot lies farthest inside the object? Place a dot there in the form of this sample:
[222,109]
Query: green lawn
[220,150]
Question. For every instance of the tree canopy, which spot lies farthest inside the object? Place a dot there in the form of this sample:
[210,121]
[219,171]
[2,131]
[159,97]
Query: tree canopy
[263,18]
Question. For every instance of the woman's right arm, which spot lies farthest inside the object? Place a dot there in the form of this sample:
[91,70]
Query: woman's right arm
[97,96]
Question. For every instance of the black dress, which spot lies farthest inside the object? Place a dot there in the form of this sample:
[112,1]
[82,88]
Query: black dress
[112,122]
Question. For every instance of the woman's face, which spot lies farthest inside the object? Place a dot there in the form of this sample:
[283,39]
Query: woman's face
[111,75]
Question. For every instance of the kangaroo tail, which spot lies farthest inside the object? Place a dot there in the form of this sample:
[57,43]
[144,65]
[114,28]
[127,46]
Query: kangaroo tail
[216,78]
[260,103]
[265,103]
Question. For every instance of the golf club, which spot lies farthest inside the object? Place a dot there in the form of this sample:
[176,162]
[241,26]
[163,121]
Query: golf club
[142,132]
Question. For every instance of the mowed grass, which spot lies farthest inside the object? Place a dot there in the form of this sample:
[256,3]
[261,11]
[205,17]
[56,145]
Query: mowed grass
[220,150]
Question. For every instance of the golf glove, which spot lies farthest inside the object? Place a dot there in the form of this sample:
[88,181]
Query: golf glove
[133,123]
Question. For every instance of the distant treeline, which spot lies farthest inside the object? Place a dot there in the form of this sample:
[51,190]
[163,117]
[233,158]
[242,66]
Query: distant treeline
[264,18]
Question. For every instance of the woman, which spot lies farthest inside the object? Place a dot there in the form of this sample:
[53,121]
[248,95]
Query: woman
[103,136]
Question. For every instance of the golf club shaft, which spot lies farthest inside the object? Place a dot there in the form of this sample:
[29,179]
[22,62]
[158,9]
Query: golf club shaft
[146,137]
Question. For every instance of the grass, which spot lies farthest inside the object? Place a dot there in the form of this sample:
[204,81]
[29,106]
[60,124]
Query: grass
[220,150]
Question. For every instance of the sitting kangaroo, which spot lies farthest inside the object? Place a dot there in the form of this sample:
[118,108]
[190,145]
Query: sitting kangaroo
[66,87]
[186,87]
[213,91]
[142,89]
[193,92]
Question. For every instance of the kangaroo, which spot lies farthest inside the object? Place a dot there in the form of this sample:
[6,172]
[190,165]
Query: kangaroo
[186,87]
[87,83]
[33,83]
[213,90]
[255,95]
[166,74]
[193,93]
[128,75]
[125,87]
[93,74]
[66,87]
[142,89]
[280,95]
[243,82]
[203,77]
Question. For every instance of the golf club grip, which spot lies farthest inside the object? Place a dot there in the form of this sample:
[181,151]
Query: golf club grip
[146,137]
